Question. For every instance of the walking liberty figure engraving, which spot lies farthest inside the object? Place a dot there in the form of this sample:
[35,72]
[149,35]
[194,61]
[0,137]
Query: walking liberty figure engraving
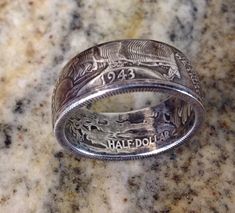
[156,57]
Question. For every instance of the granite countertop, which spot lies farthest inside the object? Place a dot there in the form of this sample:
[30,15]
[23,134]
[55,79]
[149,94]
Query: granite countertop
[38,37]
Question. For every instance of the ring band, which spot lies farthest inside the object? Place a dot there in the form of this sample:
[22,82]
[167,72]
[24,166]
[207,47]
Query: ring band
[155,76]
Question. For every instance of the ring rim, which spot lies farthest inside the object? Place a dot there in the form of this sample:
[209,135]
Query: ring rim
[140,85]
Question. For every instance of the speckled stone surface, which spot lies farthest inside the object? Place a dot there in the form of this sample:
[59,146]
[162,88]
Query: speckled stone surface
[38,37]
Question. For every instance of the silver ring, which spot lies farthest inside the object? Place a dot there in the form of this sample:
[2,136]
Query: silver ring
[126,99]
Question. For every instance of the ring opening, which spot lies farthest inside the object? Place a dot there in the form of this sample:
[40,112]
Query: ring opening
[129,123]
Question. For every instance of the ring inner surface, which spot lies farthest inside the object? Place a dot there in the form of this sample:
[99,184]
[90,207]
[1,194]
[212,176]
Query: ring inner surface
[129,123]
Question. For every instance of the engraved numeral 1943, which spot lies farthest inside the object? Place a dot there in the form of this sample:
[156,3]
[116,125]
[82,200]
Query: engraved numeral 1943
[123,74]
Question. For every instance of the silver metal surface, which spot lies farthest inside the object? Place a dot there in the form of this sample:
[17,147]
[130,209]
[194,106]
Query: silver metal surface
[126,67]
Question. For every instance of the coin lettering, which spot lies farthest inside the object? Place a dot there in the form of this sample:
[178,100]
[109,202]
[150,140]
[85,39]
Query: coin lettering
[138,142]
